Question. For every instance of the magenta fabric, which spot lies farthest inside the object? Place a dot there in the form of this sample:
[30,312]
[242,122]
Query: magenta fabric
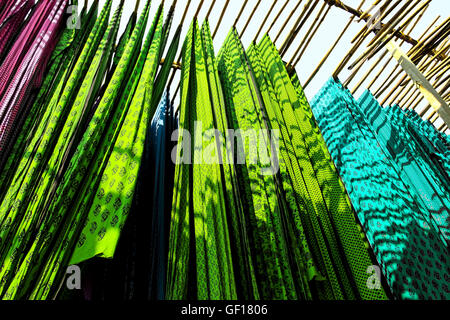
[24,66]
[12,15]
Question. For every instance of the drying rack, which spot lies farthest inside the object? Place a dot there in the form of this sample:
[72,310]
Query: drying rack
[419,81]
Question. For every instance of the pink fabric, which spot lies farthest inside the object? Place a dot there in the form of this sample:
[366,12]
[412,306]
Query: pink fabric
[22,69]
[11,18]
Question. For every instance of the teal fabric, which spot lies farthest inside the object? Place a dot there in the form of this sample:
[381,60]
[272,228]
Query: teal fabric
[409,249]
[429,193]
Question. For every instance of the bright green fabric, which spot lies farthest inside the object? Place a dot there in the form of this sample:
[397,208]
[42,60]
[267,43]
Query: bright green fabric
[199,249]
[18,223]
[113,199]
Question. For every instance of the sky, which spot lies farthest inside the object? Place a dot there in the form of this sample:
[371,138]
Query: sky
[326,35]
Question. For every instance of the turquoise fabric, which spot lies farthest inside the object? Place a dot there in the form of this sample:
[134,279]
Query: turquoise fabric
[409,249]
[428,192]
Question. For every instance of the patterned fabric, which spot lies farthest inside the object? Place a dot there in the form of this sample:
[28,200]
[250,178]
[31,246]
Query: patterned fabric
[113,199]
[61,64]
[12,15]
[432,140]
[322,203]
[38,170]
[429,192]
[200,265]
[263,211]
[407,246]
[259,195]
[22,69]
[415,132]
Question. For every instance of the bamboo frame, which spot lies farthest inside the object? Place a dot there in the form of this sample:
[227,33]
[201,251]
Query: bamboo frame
[310,33]
[359,14]
[375,64]
[364,31]
[264,21]
[324,59]
[304,16]
[224,9]
[278,15]
[376,44]
[287,20]
[369,10]
[438,65]
[414,52]
[384,86]
[250,18]
[423,66]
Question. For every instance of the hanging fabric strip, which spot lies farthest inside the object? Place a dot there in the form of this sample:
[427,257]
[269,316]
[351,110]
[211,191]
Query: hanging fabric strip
[406,245]
[342,252]
[428,192]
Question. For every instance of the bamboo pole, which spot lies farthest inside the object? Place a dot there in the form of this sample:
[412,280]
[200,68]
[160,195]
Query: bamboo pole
[279,14]
[383,15]
[443,49]
[414,52]
[199,8]
[347,57]
[288,41]
[358,13]
[434,118]
[224,9]
[322,62]
[402,84]
[365,14]
[312,36]
[264,21]
[440,69]
[376,45]
[442,80]
[442,92]
[210,9]
[358,67]
[398,85]
[423,68]
[424,34]
[136,6]
[179,56]
[376,63]
[240,13]
[395,20]
[415,95]
[311,31]
[250,18]
[287,20]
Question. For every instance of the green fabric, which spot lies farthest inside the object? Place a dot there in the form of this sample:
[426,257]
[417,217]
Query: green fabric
[63,58]
[18,223]
[336,233]
[199,248]
[52,248]
[113,199]
[245,275]
[265,211]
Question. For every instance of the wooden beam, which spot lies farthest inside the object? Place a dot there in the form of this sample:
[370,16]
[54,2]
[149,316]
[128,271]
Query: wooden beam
[430,93]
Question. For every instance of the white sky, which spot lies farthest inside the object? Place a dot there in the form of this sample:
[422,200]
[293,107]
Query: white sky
[322,41]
